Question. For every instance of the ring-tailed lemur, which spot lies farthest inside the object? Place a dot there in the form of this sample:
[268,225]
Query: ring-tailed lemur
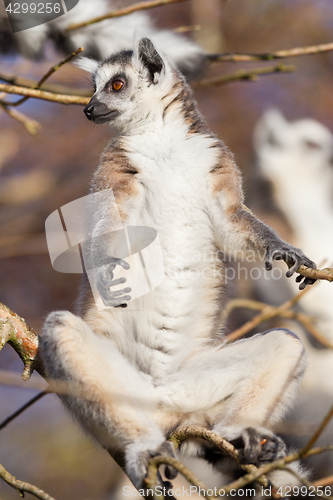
[99,40]
[138,373]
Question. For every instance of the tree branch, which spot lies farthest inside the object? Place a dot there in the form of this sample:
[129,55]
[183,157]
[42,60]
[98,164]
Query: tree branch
[55,88]
[324,481]
[296,51]
[123,12]
[267,313]
[326,420]
[32,126]
[195,432]
[318,274]
[27,405]
[44,95]
[155,462]
[305,320]
[23,487]
[251,75]
[47,75]
[23,339]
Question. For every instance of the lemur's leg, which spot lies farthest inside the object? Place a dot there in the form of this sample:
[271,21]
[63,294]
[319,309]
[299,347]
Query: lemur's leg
[243,388]
[109,397]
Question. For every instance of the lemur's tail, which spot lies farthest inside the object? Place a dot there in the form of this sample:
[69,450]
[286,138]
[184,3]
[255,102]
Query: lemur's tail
[99,40]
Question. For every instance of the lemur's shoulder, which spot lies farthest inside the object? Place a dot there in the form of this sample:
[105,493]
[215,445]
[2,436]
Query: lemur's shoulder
[225,177]
[116,171]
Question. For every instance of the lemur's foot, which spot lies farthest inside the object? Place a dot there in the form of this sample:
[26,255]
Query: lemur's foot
[137,464]
[260,445]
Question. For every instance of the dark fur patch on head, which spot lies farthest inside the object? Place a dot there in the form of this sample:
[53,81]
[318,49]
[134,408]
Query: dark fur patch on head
[123,57]
[150,57]
[196,122]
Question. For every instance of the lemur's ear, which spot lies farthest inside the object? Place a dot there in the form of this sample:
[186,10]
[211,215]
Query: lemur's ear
[272,129]
[150,57]
[87,64]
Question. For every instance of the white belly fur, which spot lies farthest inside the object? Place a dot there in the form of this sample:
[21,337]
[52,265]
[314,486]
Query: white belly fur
[159,330]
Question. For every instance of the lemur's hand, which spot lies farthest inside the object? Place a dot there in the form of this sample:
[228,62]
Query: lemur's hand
[105,280]
[294,258]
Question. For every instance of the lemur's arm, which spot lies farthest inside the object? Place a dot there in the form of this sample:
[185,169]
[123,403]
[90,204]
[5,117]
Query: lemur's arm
[237,228]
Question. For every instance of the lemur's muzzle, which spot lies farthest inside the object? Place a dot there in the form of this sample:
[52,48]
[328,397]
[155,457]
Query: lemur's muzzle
[98,112]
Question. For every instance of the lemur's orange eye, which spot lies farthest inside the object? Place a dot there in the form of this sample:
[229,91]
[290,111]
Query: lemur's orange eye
[117,85]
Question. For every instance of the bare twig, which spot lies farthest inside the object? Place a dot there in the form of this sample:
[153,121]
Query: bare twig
[9,377]
[319,274]
[123,12]
[324,481]
[14,331]
[195,432]
[326,420]
[277,464]
[47,75]
[186,29]
[155,462]
[32,126]
[27,405]
[250,75]
[42,94]
[303,319]
[296,51]
[267,313]
[55,88]
[23,487]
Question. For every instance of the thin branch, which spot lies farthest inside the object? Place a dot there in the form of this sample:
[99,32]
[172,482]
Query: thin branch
[319,274]
[254,475]
[23,487]
[47,75]
[324,481]
[267,313]
[32,126]
[14,331]
[155,462]
[186,29]
[305,320]
[195,432]
[55,88]
[326,420]
[123,12]
[301,480]
[250,75]
[44,95]
[277,464]
[296,51]
[9,377]
[27,405]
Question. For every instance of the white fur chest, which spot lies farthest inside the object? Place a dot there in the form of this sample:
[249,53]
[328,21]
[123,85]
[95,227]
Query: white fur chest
[155,331]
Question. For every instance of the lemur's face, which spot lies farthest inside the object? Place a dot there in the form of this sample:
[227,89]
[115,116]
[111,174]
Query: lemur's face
[126,85]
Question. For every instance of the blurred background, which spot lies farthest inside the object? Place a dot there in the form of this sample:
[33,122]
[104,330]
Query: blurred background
[40,173]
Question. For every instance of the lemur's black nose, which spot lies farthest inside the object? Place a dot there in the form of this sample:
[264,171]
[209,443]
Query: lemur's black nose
[89,109]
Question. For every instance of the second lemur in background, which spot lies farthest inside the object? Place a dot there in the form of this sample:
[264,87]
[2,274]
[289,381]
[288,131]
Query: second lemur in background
[99,40]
